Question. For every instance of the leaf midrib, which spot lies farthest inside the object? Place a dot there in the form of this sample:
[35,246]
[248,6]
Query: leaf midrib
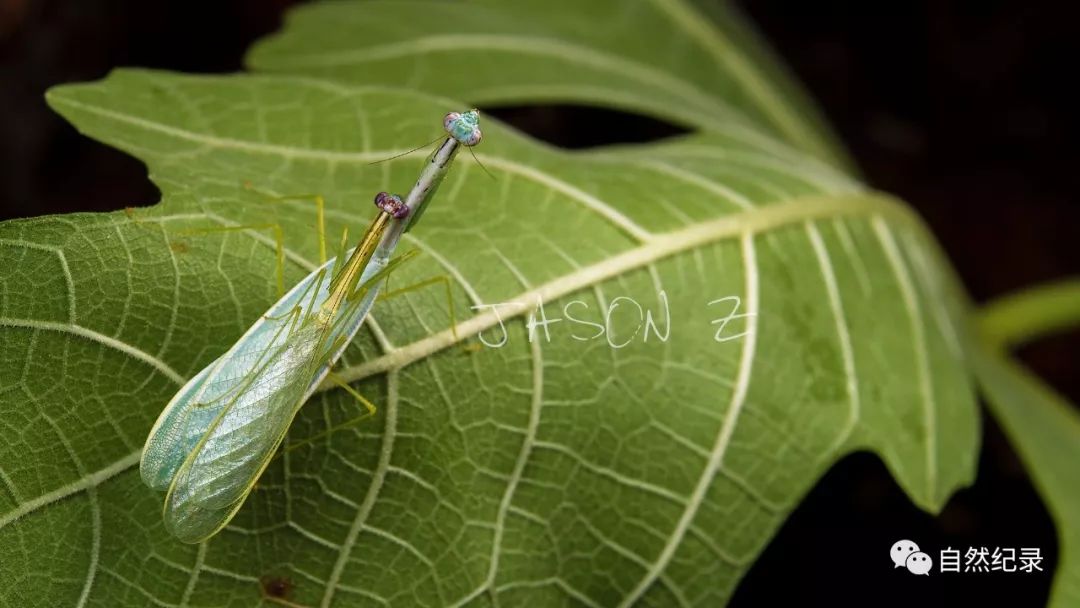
[869,204]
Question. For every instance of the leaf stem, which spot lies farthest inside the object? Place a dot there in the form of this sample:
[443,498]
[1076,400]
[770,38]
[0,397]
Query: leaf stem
[1031,313]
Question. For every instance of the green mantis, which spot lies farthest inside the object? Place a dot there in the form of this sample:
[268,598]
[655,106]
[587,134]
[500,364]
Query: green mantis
[218,434]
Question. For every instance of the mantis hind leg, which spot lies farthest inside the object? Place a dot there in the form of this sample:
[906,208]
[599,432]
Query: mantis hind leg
[279,244]
[435,280]
[384,277]
[369,408]
[369,411]
[320,211]
[182,247]
[274,228]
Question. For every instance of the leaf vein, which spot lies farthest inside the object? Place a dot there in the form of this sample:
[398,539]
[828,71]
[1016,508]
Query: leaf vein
[89,334]
[377,478]
[847,356]
[907,290]
[727,429]
[664,245]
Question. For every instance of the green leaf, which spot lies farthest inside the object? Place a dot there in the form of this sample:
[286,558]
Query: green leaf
[1042,425]
[549,471]
[658,57]
[1045,431]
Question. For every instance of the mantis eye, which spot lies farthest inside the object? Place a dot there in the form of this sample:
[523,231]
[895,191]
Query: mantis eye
[464,127]
[392,204]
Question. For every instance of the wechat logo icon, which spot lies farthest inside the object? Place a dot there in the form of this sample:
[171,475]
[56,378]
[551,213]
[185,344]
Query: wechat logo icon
[906,554]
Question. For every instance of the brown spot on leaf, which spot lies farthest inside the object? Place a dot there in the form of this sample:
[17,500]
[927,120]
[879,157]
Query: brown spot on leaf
[276,586]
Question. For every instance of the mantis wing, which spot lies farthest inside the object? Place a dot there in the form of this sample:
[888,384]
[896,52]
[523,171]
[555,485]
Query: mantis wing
[219,472]
[252,418]
[189,414]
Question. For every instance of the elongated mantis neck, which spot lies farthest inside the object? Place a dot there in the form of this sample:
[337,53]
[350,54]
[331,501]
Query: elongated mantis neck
[421,194]
[384,233]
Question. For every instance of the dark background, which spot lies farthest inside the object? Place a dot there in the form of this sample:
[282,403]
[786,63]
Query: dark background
[964,109]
